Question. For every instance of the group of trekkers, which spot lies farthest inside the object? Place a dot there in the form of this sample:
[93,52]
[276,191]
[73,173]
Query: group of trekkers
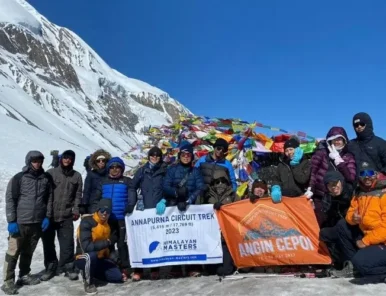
[344,180]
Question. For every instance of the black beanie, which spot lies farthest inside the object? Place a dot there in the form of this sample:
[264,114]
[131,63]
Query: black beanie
[333,176]
[220,142]
[70,154]
[105,203]
[291,143]
[155,151]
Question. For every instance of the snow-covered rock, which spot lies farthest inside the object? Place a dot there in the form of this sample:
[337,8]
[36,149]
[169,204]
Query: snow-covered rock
[53,81]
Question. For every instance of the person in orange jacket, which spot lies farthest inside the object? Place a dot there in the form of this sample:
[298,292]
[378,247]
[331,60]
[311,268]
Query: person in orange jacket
[362,235]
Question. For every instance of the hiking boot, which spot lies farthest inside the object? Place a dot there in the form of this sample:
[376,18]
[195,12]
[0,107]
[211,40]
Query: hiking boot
[90,288]
[49,273]
[70,272]
[28,280]
[346,272]
[9,288]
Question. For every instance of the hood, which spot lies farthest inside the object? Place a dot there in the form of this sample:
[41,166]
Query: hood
[30,155]
[369,130]
[116,160]
[221,174]
[95,155]
[70,154]
[336,132]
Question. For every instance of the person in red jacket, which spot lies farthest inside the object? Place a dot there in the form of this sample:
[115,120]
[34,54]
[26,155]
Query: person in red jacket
[331,155]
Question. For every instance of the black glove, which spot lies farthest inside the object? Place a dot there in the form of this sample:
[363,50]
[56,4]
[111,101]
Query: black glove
[83,209]
[182,193]
[217,206]
[253,198]
[181,206]
[129,209]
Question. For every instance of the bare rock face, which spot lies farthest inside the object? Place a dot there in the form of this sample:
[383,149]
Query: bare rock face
[63,76]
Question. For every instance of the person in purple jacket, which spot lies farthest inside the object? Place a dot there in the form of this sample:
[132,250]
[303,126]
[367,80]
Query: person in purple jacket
[331,155]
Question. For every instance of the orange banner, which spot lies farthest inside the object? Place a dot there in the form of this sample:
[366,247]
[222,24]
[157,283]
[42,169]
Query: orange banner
[266,234]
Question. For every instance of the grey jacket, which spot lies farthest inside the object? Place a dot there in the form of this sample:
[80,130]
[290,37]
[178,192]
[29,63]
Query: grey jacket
[29,195]
[67,193]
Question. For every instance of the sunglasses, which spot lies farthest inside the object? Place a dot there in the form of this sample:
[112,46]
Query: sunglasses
[155,155]
[115,167]
[36,161]
[220,181]
[367,173]
[101,160]
[186,154]
[359,124]
[66,157]
[220,148]
[105,211]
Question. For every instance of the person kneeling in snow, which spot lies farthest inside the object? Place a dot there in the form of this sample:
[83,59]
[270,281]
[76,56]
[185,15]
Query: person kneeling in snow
[92,252]
[221,193]
[335,205]
[293,172]
[362,237]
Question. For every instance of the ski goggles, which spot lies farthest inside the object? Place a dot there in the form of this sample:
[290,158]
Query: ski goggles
[367,173]
[105,211]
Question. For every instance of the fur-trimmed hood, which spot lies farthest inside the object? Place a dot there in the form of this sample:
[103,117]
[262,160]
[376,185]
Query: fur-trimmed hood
[95,155]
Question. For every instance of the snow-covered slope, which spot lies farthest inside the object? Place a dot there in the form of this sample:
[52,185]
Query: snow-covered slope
[53,81]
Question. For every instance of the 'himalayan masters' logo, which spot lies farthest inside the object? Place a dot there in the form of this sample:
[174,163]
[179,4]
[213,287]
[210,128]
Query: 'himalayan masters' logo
[154,246]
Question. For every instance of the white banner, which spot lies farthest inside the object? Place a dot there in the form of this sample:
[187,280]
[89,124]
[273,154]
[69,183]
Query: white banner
[174,238]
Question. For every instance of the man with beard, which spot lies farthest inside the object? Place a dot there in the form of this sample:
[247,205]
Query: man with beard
[68,185]
[28,207]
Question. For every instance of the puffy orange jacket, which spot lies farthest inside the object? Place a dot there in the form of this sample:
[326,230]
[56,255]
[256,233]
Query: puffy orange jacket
[371,206]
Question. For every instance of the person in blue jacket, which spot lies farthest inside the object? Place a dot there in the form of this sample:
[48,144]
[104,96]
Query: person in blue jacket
[216,161]
[182,186]
[183,183]
[146,191]
[115,186]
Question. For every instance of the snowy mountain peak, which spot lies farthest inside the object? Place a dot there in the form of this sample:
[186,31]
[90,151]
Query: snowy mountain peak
[52,80]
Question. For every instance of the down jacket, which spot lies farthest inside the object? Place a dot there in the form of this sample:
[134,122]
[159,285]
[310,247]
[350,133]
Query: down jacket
[321,163]
[175,174]
[29,194]
[94,177]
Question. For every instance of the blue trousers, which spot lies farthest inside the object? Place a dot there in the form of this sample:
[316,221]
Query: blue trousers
[369,261]
[101,269]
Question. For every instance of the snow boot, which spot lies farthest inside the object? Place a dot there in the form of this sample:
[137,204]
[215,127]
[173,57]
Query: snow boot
[70,272]
[9,288]
[28,280]
[90,288]
[49,273]
[346,272]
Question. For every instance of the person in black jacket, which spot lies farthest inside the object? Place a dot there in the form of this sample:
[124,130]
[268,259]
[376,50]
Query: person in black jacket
[148,180]
[28,207]
[335,205]
[367,147]
[97,163]
[293,173]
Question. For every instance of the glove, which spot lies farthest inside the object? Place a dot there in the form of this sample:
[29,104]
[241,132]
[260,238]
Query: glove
[182,193]
[161,207]
[253,198]
[309,193]
[217,206]
[45,224]
[140,205]
[297,156]
[334,155]
[75,217]
[181,206]
[13,228]
[276,193]
[129,209]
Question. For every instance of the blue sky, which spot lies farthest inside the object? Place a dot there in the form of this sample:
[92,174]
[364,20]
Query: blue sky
[298,65]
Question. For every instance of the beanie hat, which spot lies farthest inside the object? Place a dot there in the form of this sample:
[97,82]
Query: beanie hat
[291,143]
[155,151]
[362,117]
[70,154]
[333,176]
[220,142]
[116,161]
[186,147]
[105,203]
[259,184]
